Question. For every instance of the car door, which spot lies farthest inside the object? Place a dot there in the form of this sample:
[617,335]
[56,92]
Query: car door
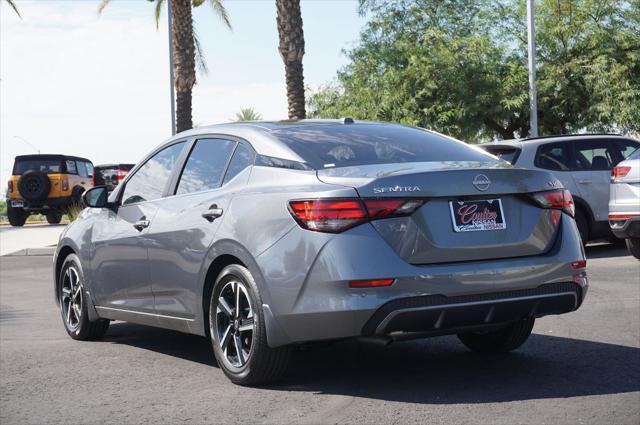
[593,160]
[120,261]
[186,224]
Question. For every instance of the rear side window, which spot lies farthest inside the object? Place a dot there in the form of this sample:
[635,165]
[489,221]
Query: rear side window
[89,168]
[327,146]
[71,167]
[49,166]
[553,156]
[596,155]
[504,153]
[149,181]
[205,167]
[626,147]
[82,168]
[242,158]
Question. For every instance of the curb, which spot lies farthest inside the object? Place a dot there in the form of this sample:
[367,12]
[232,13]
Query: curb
[33,252]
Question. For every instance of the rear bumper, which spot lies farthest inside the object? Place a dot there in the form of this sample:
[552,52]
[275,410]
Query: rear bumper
[439,314]
[310,299]
[624,228]
[47,204]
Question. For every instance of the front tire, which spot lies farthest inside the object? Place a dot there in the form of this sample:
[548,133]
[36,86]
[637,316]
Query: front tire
[499,341]
[73,303]
[633,245]
[238,332]
[17,216]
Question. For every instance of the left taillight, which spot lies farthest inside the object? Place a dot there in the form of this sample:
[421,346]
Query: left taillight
[560,199]
[65,184]
[10,188]
[337,215]
[618,173]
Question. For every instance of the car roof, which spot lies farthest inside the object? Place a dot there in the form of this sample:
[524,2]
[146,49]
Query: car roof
[114,165]
[51,156]
[265,135]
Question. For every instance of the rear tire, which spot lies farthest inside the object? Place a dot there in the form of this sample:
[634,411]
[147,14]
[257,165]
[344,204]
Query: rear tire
[17,216]
[244,332]
[633,245]
[583,226]
[73,303]
[499,341]
[54,217]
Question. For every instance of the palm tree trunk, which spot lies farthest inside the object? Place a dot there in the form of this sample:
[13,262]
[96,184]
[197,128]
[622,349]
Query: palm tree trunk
[184,61]
[291,50]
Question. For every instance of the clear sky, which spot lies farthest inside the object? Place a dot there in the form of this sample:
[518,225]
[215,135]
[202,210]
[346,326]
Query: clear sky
[96,86]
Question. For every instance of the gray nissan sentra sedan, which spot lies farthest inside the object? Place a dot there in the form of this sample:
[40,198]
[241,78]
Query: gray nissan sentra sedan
[265,235]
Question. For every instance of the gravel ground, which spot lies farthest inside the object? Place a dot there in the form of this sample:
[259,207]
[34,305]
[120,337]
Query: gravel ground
[582,367]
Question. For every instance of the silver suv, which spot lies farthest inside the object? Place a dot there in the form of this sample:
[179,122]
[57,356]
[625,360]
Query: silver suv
[582,163]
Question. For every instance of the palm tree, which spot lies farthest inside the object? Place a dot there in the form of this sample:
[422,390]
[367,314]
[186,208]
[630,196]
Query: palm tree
[291,50]
[248,114]
[186,51]
[13,6]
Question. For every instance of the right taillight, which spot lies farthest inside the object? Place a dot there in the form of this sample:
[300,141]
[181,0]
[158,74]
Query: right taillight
[560,199]
[121,174]
[619,172]
[337,215]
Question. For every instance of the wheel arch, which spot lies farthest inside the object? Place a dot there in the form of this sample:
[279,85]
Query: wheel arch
[222,254]
[583,206]
[63,253]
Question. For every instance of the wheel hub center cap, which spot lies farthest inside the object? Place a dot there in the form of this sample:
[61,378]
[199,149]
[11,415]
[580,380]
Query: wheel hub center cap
[236,324]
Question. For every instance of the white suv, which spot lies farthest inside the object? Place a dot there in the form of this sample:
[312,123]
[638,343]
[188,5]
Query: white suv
[624,205]
[582,163]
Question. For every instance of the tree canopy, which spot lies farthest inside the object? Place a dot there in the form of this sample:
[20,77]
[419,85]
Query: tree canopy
[460,67]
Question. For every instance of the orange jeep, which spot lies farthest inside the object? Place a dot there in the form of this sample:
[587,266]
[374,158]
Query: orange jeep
[46,184]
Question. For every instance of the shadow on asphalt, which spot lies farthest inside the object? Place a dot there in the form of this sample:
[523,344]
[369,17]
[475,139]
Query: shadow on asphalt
[606,250]
[434,371]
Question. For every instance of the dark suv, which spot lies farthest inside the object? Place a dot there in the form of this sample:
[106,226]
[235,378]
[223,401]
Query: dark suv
[46,184]
[110,175]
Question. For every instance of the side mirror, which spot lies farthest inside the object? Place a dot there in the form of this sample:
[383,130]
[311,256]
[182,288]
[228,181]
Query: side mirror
[96,197]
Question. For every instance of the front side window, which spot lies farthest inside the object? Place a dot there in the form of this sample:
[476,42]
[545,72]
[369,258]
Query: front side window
[594,155]
[242,158]
[205,167]
[553,156]
[149,181]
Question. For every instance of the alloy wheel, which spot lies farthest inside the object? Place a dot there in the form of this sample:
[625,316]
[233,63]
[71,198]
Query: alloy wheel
[234,323]
[72,298]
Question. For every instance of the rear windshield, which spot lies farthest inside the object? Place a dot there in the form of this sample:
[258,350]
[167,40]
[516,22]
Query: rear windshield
[505,153]
[49,166]
[326,146]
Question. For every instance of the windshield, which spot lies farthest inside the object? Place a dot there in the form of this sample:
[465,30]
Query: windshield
[49,166]
[329,146]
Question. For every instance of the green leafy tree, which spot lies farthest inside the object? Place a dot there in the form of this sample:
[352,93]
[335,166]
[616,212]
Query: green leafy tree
[460,67]
[248,114]
[186,51]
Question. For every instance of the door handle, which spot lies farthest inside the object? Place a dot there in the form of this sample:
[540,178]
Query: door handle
[584,181]
[142,224]
[212,213]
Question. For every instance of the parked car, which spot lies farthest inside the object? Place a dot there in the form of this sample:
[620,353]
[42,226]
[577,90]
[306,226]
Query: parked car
[582,163]
[110,175]
[46,184]
[270,234]
[624,205]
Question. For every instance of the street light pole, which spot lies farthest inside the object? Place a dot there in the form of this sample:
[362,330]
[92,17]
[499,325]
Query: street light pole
[171,81]
[533,101]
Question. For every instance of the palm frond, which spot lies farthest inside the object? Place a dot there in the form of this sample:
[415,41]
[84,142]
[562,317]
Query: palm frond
[158,12]
[103,4]
[200,59]
[220,10]
[15,9]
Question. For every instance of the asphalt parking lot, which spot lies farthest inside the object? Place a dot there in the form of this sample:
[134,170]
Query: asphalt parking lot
[582,367]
